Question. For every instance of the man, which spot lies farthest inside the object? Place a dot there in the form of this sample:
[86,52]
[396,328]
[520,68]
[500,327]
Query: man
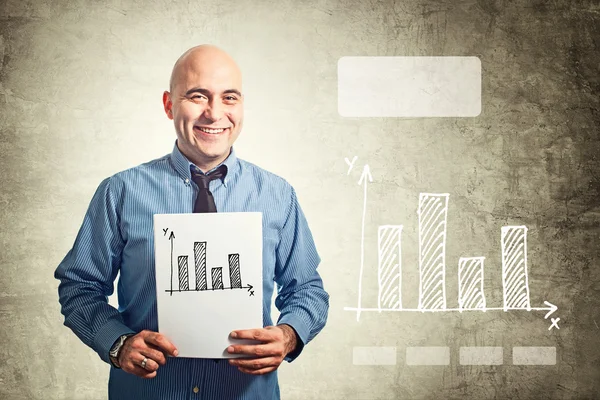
[205,102]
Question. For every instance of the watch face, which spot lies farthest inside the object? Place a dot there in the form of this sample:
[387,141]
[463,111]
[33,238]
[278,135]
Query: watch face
[115,350]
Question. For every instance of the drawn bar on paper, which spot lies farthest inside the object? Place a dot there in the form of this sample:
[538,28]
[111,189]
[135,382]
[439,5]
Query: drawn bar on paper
[235,277]
[200,265]
[433,213]
[374,355]
[532,355]
[390,267]
[476,355]
[515,282]
[217,278]
[184,281]
[409,86]
[428,355]
[470,283]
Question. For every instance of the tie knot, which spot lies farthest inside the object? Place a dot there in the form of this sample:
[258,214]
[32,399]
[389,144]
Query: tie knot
[203,180]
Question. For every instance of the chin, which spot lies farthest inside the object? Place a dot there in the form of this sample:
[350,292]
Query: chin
[214,153]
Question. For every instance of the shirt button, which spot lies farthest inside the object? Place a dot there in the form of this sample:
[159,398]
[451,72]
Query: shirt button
[196,389]
[187,181]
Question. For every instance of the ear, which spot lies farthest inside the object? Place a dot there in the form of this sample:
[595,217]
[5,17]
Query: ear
[168,104]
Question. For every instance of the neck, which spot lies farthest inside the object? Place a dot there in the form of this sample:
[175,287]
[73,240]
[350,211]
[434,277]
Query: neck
[205,165]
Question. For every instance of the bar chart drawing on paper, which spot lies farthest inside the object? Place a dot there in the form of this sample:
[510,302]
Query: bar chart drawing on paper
[181,267]
[208,268]
[432,231]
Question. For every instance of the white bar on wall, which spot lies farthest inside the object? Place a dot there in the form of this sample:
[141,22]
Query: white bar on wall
[532,355]
[515,281]
[433,214]
[374,355]
[470,283]
[428,355]
[409,86]
[390,267]
[477,355]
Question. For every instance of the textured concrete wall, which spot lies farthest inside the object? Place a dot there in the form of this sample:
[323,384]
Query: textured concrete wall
[80,99]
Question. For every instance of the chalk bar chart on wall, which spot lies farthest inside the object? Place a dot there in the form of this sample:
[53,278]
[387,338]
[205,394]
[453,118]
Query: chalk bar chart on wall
[432,216]
[432,231]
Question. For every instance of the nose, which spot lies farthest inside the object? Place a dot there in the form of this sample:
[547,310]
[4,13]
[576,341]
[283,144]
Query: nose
[214,111]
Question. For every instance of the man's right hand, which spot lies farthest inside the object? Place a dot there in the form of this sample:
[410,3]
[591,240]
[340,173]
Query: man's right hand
[152,346]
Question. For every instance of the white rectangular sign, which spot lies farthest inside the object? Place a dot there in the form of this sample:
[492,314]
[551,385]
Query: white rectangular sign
[409,86]
[208,279]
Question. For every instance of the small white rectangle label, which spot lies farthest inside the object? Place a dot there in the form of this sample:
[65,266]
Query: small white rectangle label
[534,355]
[481,355]
[427,356]
[374,356]
[409,86]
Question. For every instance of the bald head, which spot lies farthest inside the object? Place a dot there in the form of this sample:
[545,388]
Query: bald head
[200,59]
[206,104]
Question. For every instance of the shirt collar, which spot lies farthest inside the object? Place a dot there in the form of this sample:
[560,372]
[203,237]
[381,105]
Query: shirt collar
[183,165]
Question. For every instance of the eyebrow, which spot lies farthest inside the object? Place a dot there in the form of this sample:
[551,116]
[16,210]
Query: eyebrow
[207,92]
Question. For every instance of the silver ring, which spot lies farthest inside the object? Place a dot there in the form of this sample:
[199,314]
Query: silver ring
[144,361]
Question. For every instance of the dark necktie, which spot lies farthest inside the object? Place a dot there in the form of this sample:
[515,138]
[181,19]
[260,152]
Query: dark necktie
[205,201]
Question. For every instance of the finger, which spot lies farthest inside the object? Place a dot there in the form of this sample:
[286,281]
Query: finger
[132,366]
[262,335]
[150,365]
[154,353]
[141,372]
[159,340]
[261,371]
[260,350]
[255,363]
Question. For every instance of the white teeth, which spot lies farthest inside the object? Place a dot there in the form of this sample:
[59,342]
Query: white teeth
[211,130]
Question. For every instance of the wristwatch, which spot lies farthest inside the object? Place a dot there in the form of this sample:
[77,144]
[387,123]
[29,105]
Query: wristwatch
[113,355]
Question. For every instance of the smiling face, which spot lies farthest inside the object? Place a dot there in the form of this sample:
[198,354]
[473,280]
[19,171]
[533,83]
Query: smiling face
[205,102]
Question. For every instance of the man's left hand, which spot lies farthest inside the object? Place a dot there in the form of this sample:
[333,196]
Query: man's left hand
[277,342]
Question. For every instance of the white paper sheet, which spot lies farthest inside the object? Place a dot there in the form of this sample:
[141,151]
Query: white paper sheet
[194,312]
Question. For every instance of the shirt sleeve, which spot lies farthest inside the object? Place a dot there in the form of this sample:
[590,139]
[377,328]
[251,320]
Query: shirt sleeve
[301,299]
[87,275]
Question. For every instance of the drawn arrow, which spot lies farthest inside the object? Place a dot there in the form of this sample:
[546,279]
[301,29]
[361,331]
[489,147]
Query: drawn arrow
[366,173]
[364,177]
[171,237]
[550,310]
[249,286]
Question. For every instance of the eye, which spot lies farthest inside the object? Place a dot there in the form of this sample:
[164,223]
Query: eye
[197,97]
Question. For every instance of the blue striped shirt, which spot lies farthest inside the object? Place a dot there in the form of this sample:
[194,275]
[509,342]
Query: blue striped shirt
[117,236]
